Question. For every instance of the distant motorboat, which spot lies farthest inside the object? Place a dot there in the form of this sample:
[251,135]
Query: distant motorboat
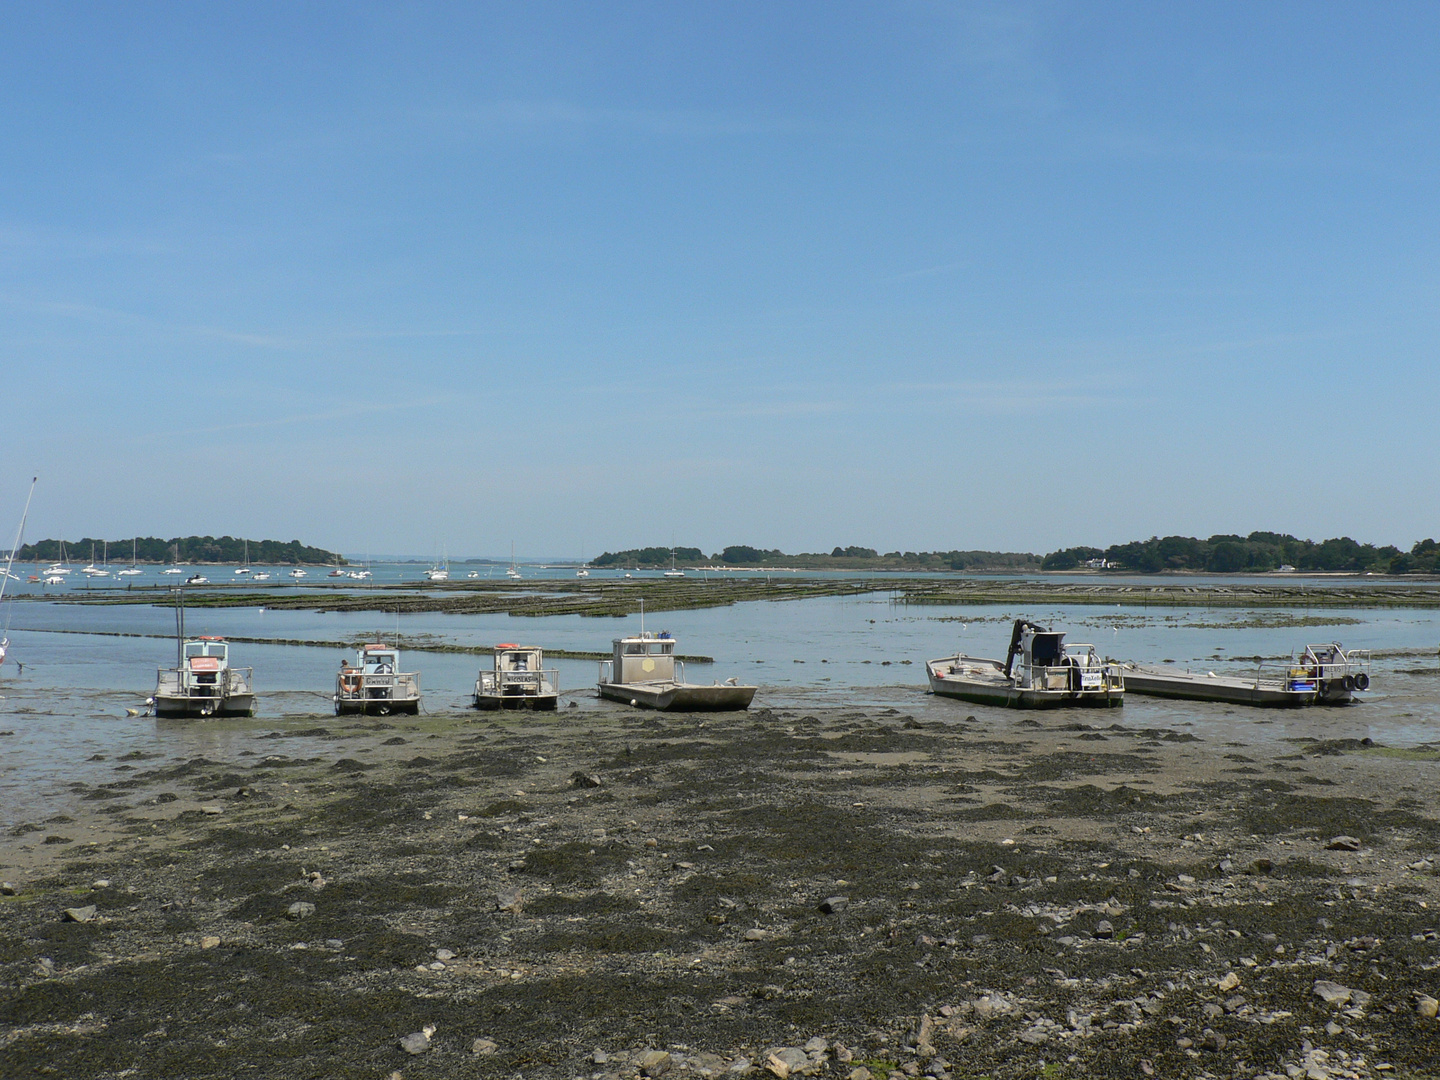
[197,579]
[582,572]
[172,570]
[297,573]
[54,579]
[262,576]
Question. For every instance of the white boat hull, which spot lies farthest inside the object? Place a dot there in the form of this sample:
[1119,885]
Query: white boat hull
[680,697]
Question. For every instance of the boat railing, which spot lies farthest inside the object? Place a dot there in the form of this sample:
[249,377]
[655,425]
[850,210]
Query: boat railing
[177,681]
[1097,676]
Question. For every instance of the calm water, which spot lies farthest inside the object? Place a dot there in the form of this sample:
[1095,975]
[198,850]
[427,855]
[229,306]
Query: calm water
[68,706]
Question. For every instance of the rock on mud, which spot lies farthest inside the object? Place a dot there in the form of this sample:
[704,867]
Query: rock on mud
[299,910]
[80,914]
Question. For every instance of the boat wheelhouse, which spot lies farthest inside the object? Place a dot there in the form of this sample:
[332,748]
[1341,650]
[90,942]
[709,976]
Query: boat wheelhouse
[645,672]
[520,680]
[375,685]
[1040,672]
[203,683]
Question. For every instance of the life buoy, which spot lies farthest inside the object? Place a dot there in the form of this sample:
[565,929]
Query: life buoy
[350,684]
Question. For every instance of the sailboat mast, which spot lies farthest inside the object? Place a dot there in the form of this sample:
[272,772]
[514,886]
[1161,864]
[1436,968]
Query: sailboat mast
[20,532]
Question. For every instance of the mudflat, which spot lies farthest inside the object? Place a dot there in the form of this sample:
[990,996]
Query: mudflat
[932,889]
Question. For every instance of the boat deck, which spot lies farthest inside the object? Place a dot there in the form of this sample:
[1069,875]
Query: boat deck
[1161,680]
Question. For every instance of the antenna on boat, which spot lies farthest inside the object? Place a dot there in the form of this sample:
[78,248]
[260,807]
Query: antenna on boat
[179,627]
[642,616]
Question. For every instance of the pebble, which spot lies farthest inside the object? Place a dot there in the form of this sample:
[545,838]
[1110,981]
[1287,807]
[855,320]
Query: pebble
[1343,843]
[1332,993]
[299,910]
[1228,983]
[486,1047]
[654,1063]
[80,914]
[8,888]
[417,1042]
[509,900]
[1427,1007]
[755,934]
[100,883]
[444,954]
[209,941]
[1103,930]
[833,905]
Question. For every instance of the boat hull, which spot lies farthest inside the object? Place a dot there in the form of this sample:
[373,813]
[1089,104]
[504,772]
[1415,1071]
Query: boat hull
[680,697]
[1002,693]
[377,707]
[204,708]
[517,702]
[1193,686]
[1015,698]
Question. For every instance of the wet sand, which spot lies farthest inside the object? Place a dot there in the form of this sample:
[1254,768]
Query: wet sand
[900,888]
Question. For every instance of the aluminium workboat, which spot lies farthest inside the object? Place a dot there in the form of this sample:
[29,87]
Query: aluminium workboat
[1040,672]
[1323,674]
[645,672]
[520,680]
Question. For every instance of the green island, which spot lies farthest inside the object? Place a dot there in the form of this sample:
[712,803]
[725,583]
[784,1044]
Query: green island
[151,550]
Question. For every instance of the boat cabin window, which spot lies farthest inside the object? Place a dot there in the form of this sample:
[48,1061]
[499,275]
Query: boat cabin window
[634,648]
[205,648]
[1047,649]
[380,663]
[661,648]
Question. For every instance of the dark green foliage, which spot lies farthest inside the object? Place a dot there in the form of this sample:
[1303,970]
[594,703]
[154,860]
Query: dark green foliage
[192,549]
[1258,552]
[649,556]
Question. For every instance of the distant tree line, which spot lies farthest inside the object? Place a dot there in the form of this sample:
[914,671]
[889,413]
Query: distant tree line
[185,549]
[841,558]
[648,557]
[1260,551]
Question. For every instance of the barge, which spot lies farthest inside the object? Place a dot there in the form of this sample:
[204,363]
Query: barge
[644,672]
[203,683]
[1320,675]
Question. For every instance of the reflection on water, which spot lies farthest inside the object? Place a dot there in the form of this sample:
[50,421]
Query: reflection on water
[69,703]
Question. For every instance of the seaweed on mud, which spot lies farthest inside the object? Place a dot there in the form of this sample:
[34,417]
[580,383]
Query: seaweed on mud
[1089,800]
[574,862]
[1332,816]
[594,903]
[627,937]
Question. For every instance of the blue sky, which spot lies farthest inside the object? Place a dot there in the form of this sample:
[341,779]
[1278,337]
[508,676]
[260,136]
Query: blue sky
[917,275]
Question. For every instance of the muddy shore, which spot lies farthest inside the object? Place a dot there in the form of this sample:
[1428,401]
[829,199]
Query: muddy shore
[930,890]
